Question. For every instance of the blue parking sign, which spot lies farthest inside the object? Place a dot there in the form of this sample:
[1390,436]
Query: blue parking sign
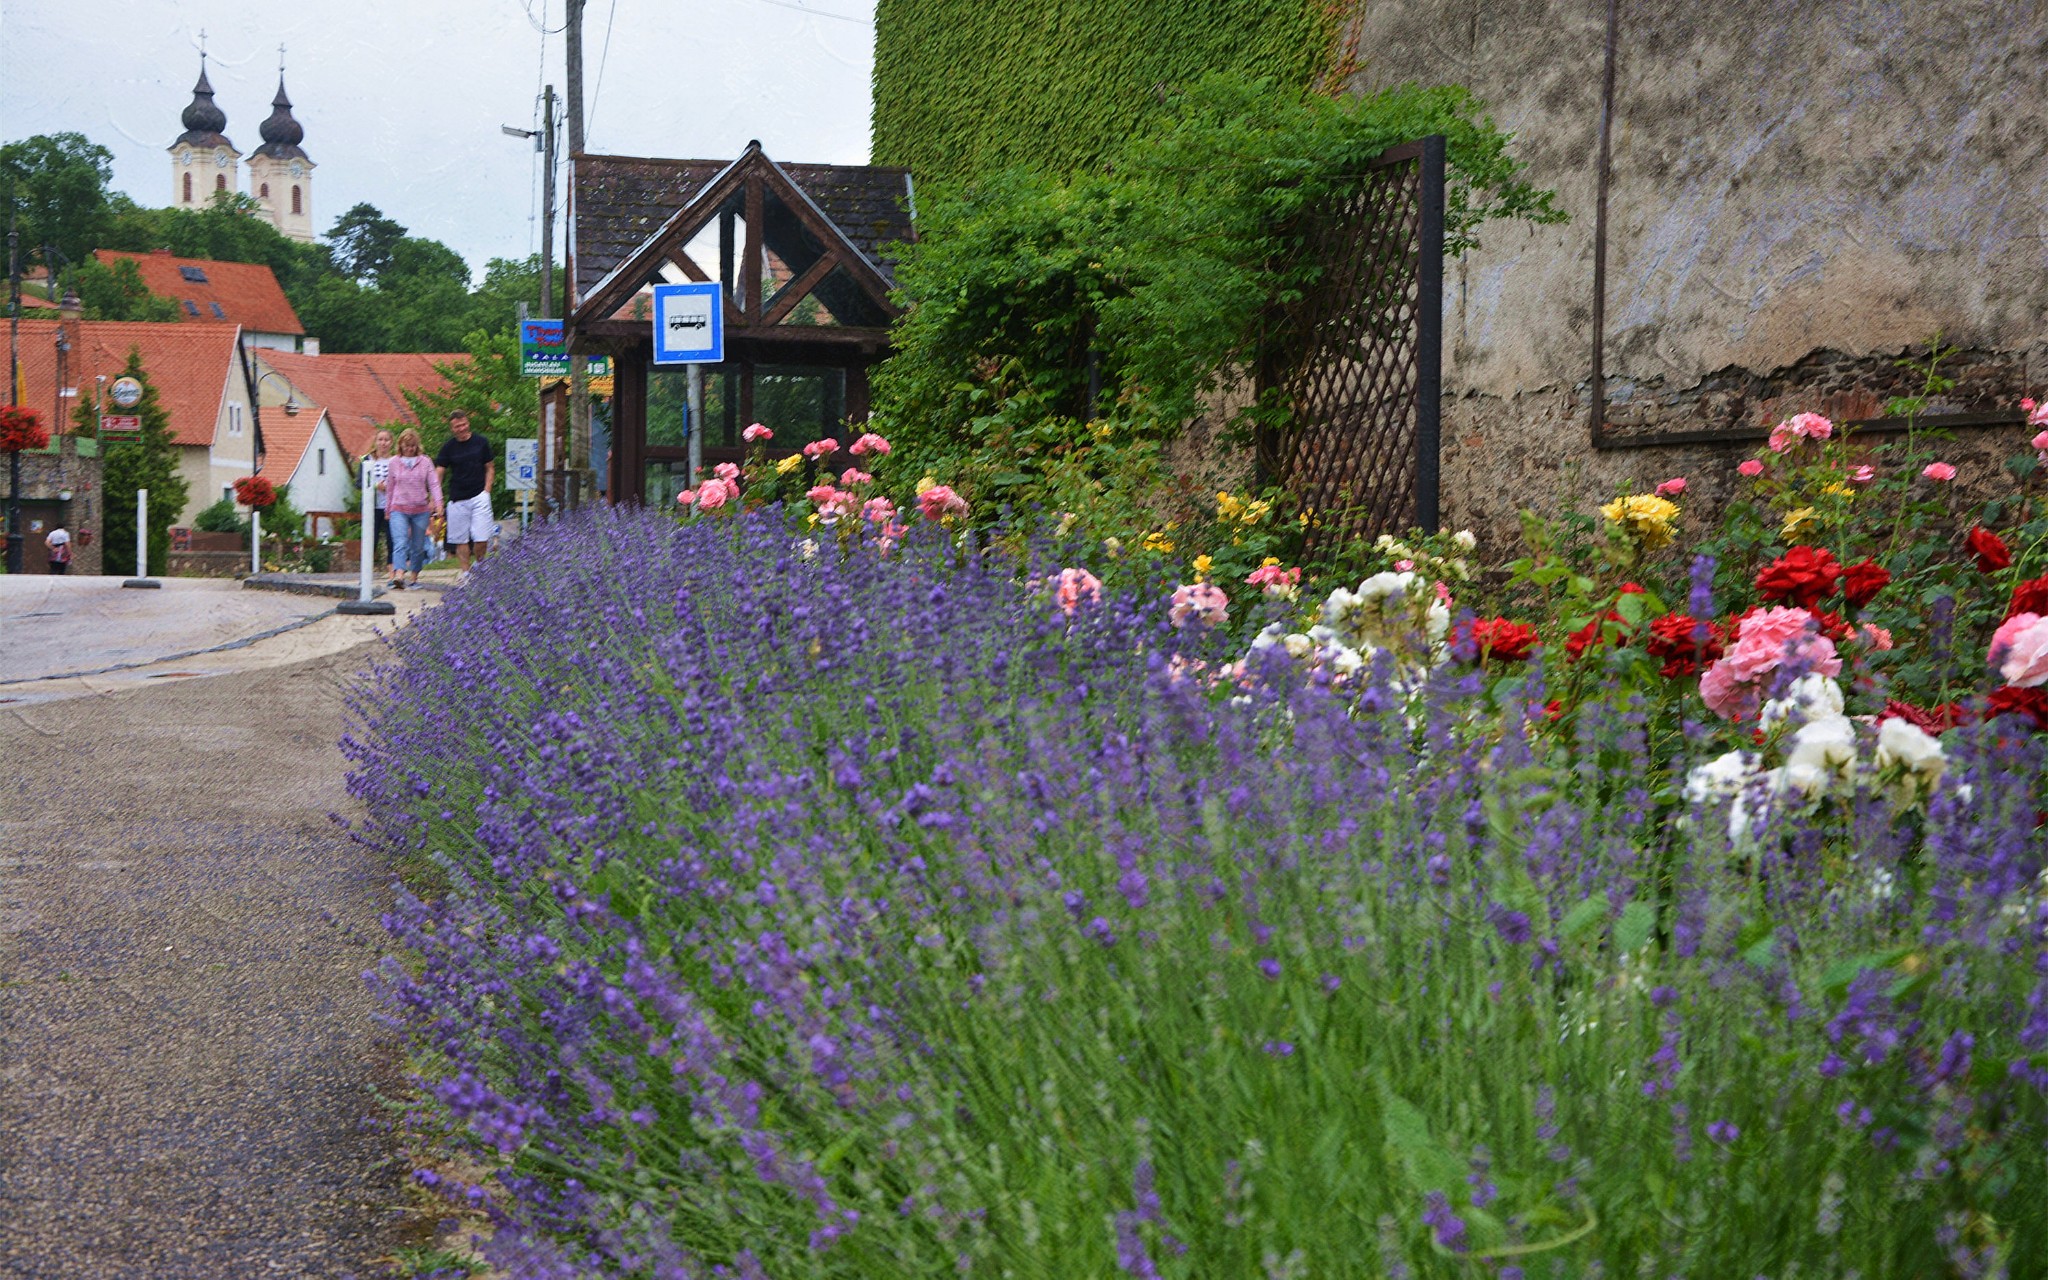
[689,323]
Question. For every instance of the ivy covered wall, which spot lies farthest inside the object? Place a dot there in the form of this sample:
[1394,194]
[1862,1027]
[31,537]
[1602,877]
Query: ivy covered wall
[966,86]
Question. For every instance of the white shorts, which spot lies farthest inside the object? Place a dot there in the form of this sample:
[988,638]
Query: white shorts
[471,520]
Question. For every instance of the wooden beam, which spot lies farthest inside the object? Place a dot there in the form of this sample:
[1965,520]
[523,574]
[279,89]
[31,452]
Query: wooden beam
[797,290]
[750,270]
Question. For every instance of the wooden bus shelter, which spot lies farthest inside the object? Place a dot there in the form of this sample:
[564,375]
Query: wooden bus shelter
[803,252]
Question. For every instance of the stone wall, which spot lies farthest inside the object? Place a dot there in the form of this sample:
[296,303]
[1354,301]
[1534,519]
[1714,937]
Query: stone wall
[47,476]
[1803,191]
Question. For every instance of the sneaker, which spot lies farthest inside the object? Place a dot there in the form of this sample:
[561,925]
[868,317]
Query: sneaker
[397,585]
[462,578]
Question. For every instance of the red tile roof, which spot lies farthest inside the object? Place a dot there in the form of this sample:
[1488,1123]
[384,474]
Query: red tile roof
[285,441]
[361,392]
[243,293]
[188,364]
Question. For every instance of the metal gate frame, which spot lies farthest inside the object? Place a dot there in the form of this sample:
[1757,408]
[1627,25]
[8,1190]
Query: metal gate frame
[1359,361]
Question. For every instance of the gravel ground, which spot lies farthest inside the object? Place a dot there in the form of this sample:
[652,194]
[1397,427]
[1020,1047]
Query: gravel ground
[187,1054]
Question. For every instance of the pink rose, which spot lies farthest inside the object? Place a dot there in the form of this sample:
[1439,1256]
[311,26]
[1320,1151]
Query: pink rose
[1403,566]
[853,476]
[1199,602]
[2041,442]
[1781,437]
[1875,636]
[1752,467]
[820,493]
[1863,475]
[821,449]
[878,510]
[1812,426]
[1939,471]
[713,494]
[940,501]
[2019,649]
[870,443]
[2026,404]
[1731,687]
[756,432]
[688,497]
[1074,588]
[1269,576]
[726,471]
[1673,487]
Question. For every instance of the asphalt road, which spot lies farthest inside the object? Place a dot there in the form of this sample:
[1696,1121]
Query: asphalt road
[187,1053]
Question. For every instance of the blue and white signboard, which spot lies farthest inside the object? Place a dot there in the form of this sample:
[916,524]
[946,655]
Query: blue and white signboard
[689,323]
[522,463]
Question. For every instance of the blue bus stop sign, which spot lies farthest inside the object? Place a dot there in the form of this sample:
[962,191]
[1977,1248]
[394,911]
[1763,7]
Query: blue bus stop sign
[689,323]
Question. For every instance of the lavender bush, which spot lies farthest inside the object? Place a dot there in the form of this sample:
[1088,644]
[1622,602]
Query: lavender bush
[808,912]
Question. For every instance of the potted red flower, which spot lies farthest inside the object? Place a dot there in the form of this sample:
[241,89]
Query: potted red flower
[21,428]
[256,492]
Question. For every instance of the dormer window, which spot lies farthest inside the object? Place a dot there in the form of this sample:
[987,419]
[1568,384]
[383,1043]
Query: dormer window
[192,275]
[191,306]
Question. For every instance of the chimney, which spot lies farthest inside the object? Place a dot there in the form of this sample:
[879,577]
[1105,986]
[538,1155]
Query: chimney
[309,346]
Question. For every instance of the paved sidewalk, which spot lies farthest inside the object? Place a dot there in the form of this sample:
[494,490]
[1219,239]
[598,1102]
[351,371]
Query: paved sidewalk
[187,1053]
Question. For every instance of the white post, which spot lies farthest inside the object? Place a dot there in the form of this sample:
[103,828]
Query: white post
[255,540]
[367,532]
[142,578]
[696,429]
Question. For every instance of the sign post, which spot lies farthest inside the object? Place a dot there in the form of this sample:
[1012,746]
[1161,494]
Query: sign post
[120,428]
[522,474]
[255,541]
[689,329]
[142,578]
[366,600]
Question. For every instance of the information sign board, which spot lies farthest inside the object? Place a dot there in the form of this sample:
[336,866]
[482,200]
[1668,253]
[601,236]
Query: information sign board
[522,464]
[542,353]
[689,323]
[116,427]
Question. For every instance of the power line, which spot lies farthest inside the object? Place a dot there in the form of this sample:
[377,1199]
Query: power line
[590,110]
[541,24]
[816,13]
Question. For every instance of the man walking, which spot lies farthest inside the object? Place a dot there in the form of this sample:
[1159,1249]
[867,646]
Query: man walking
[467,469]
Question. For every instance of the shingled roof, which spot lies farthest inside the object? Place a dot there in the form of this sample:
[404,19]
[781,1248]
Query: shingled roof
[190,365]
[360,392]
[210,292]
[623,200]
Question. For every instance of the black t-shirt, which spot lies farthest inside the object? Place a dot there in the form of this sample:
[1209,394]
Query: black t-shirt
[465,460]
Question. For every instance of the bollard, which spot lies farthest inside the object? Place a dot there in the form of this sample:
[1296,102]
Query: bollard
[142,578]
[255,541]
[366,595]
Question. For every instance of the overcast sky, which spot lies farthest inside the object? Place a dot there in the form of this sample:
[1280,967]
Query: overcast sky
[401,99]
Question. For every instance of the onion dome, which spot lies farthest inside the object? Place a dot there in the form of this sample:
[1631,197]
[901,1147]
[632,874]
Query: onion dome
[281,133]
[204,121]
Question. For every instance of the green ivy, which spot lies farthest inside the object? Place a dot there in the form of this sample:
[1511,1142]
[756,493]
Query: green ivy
[965,87]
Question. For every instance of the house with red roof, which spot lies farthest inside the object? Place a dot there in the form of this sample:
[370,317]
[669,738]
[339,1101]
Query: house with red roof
[202,375]
[359,392]
[303,451]
[214,293]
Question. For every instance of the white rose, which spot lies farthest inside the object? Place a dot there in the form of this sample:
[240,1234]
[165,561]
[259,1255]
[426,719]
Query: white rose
[1810,697]
[1464,540]
[1719,778]
[1273,634]
[1437,620]
[1382,585]
[1827,744]
[1902,742]
[1299,646]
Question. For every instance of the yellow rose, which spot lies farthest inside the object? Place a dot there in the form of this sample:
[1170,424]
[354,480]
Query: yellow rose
[1643,516]
[1202,566]
[789,464]
[925,484]
[1156,541]
[1796,520]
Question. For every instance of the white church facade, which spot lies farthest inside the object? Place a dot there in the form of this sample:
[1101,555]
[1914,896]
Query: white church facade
[204,162]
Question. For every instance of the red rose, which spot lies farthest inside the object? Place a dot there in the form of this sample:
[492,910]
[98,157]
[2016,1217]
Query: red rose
[2030,596]
[1990,549]
[21,428]
[1684,642]
[1802,576]
[1863,581]
[1502,639]
[2015,701]
[1832,625]
[1934,720]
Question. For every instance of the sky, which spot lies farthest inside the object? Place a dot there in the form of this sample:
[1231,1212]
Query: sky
[402,100]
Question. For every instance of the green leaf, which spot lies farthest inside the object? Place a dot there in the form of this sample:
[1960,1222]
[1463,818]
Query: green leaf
[1586,918]
[1428,1166]
[1638,921]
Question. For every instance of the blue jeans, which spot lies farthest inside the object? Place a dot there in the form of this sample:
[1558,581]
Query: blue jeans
[409,540]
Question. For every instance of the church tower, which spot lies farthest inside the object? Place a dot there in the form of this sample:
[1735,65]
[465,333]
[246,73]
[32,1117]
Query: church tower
[203,161]
[280,174]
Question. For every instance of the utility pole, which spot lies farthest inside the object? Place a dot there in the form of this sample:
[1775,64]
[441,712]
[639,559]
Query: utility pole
[13,388]
[547,216]
[578,461]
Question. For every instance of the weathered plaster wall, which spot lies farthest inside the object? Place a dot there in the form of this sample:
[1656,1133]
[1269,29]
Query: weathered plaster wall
[1802,190]
[47,476]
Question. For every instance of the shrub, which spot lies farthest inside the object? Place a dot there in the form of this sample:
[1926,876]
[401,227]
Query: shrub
[221,517]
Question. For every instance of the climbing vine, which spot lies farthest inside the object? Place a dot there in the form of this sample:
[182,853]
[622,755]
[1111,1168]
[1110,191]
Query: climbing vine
[965,87]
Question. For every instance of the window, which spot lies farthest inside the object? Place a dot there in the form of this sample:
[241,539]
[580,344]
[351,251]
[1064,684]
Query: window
[227,493]
[295,201]
[234,419]
[263,192]
[188,188]
[218,314]
[193,275]
[191,306]
[220,182]
[320,462]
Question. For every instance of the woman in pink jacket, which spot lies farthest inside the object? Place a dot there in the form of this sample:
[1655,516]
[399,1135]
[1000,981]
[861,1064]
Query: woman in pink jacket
[412,494]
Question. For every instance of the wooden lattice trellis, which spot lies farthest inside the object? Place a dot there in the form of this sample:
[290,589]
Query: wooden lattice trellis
[1358,360]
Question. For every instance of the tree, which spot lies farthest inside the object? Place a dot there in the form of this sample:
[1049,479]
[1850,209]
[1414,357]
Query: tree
[116,292]
[57,185]
[363,242]
[151,463]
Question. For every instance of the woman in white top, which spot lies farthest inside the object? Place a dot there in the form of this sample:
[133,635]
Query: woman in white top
[58,542]
[380,467]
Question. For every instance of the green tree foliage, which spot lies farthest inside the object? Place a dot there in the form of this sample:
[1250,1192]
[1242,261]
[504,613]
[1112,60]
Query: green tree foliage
[57,186]
[363,243]
[1162,266]
[116,292]
[966,87]
[148,463]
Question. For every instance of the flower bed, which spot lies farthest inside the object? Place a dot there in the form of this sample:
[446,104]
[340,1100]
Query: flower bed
[870,906]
